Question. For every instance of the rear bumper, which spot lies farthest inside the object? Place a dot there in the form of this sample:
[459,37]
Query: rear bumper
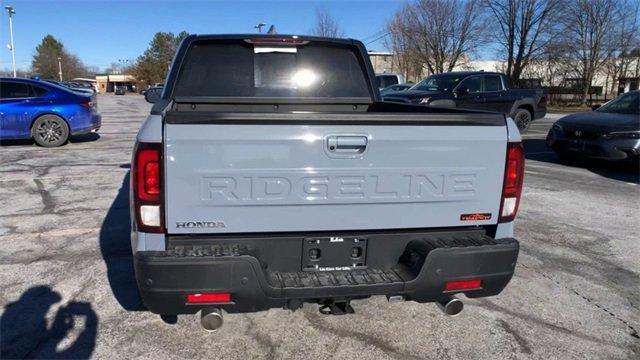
[165,278]
[93,125]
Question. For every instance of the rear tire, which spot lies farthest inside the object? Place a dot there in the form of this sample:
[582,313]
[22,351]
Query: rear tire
[523,119]
[50,131]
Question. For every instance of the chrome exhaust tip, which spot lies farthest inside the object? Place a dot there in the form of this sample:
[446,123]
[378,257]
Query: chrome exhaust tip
[451,307]
[211,319]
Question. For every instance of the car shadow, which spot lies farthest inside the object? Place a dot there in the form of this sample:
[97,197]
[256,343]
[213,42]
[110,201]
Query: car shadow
[627,171]
[115,247]
[84,138]
[24,332]
[17,142]
[74,139]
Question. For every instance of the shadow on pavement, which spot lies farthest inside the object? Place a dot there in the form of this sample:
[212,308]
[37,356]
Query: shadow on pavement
[84,138]
[115,246]
[75,139]
[627,171]
[17,142]
[24,332]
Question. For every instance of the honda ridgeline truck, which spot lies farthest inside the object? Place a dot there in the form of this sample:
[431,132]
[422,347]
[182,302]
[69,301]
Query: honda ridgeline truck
[270,174]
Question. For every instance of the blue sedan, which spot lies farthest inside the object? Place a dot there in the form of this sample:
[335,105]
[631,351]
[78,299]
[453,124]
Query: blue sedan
[44,112]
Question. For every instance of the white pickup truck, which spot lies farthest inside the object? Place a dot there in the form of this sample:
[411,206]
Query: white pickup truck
[270,174]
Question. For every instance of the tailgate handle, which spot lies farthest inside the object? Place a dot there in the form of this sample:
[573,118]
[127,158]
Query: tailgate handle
[347,144]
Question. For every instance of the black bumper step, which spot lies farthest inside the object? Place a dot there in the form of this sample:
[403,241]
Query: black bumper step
[321,279]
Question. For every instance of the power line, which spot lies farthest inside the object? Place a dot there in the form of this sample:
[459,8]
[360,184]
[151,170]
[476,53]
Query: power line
[378,38]
[377,33]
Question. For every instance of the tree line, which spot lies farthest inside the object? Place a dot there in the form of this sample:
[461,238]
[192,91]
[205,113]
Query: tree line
[545,39]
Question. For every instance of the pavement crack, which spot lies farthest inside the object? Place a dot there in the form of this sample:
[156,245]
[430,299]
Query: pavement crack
[522,342]
[632,330]
[262,339]
[317,323]
[47,199]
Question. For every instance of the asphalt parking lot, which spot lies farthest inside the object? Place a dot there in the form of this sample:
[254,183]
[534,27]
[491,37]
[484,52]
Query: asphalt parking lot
[67,287]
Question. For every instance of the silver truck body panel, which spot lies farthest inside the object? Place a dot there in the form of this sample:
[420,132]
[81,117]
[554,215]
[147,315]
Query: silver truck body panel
[277,178]
[151,130]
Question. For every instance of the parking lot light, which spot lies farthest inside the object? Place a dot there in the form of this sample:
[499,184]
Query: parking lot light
[12,47]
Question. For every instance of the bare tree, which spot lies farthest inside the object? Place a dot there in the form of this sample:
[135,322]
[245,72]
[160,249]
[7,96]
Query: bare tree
[398,40]
[626,43]
[443,31]
[587,37]
[522,28]
[326,25]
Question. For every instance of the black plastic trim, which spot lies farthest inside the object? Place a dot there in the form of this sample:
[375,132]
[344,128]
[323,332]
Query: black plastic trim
[165,278]
[364,118]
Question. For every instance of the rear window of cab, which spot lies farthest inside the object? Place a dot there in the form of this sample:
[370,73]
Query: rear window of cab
[242,69]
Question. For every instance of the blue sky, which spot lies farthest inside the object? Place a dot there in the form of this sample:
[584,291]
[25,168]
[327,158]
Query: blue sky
[101,32]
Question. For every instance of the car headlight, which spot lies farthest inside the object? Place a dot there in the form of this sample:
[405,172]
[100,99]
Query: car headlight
[424,100]
[557,126]
[622,135]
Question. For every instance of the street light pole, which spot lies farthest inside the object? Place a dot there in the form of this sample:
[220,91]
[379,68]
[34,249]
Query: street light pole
[11,46]
[260,26]
[60,67]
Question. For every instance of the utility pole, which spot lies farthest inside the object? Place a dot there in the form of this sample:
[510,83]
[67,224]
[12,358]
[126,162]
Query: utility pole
[260,26]
[12,48]
[60,67]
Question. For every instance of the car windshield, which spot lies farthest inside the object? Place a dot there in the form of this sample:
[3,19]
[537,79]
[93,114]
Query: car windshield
[438,83]
[628,103]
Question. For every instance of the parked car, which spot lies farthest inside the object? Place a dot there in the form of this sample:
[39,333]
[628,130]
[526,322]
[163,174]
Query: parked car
[477,90]
[611,131]
[120,90]
[44,112]
[395,88]
[71,86]
[387,79]
[153,92]
[253,190]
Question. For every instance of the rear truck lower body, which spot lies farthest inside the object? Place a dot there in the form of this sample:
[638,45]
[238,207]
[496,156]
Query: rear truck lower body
[248,273]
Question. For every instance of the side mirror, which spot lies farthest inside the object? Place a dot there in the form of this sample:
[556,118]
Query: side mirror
[595,107]
[153,95]
[462,91]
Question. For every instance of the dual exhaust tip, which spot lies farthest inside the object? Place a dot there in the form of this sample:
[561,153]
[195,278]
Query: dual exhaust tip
[211,318]
[451,307]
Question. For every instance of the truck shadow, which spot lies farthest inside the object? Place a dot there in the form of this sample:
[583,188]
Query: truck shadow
[24,332]
[536,149]
[115,247]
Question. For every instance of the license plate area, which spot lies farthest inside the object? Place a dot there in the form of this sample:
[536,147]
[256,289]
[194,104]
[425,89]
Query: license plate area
[334,253]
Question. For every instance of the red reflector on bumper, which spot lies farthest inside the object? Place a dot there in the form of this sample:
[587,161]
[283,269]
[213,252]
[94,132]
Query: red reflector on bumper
[462,285]
[208,298]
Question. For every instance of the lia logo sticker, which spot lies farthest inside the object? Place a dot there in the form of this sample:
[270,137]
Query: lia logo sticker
[475,217]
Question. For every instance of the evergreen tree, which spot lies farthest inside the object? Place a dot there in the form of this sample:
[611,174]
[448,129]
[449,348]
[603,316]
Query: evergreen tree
[45,61]
[152,66]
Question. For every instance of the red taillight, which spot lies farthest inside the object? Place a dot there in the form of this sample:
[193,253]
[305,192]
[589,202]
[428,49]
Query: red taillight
[460,285]
[88,104]
[146,183]
[152,178]
[148,174]
[512,186]
[209,298]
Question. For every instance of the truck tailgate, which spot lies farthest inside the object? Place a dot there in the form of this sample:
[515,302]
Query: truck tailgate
[244,178]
